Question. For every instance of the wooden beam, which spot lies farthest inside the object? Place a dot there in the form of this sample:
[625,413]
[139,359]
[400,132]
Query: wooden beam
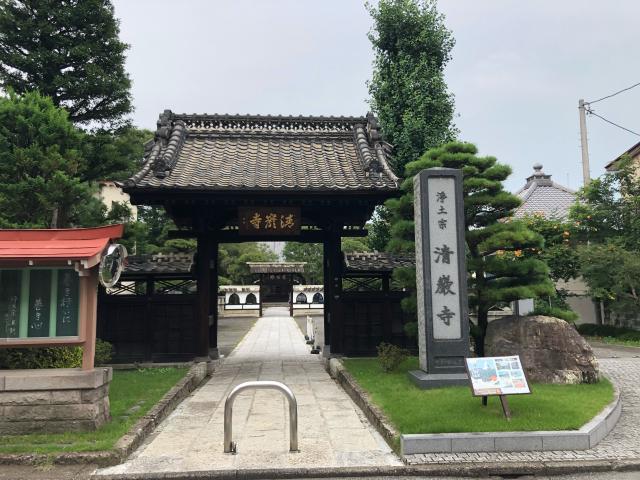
[232,236]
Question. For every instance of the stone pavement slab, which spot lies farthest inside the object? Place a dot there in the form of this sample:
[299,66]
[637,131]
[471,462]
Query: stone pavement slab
[333,432]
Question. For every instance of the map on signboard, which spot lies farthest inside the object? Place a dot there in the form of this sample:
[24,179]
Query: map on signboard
[497,376]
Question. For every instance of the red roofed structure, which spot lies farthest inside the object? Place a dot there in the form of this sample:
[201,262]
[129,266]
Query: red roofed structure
[48,286]
[44,246]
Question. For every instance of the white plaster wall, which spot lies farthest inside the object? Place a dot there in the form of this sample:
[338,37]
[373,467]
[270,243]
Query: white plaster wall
[110,192]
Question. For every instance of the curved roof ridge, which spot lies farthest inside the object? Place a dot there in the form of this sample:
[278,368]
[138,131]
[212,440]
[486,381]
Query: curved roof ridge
[194,151]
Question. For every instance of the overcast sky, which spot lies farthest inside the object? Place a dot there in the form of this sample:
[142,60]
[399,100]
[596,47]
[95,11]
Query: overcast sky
[517,72]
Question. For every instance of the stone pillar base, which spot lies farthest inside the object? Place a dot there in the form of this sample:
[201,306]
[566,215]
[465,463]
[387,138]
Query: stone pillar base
[425,380]
[53,400]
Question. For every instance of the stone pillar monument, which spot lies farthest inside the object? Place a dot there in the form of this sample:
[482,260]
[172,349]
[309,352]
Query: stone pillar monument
[441,279]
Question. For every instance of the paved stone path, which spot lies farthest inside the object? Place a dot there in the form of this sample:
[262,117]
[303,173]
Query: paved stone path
[332,430]
[622,443]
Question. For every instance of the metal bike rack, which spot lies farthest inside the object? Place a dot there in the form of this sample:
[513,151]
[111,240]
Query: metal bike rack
[229,445]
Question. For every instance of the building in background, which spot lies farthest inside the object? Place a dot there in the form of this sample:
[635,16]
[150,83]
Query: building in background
[542,196]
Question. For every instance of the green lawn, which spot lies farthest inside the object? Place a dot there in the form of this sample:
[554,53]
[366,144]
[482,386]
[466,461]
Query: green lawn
[132,394]
[453,409]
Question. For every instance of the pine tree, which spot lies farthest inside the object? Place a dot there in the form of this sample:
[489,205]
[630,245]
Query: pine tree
[68,50]
[501,259]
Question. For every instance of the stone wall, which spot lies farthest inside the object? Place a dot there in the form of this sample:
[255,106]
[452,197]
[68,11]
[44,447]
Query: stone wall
[53,400]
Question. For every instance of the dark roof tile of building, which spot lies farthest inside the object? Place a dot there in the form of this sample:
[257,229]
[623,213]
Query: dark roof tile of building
[376,262]
[276,267]
[545,197]
[173,263]
[258,153]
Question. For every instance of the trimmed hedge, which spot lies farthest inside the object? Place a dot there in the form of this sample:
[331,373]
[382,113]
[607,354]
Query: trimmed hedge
[621,333]
[51,357]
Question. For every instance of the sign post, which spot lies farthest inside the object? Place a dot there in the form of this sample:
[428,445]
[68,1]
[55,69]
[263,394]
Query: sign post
[441,279]
[499,376]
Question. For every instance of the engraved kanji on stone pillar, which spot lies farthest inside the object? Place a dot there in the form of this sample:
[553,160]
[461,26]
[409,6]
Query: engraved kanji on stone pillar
[441,278]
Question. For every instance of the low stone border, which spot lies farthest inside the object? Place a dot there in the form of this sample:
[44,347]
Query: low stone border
[130,440]
[479,469]
[583,439]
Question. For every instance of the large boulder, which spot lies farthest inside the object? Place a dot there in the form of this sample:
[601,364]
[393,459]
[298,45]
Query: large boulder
[551,350]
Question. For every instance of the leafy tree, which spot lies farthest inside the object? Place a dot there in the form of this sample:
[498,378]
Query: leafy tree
[607,222]
[408,93]
[310,253]
[68,50]
[354,244]
[612,273]
[412,47]
[41,166]
[379,229]
[499,268]
[559,252]
[608,208]
[114,154]
[233,258]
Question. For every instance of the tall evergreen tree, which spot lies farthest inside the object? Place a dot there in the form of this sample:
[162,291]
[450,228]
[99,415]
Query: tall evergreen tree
[408,93]
[68,50]
[41,166]
[412,46]
[498,260]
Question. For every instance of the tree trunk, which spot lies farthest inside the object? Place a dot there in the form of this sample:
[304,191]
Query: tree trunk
[483,320]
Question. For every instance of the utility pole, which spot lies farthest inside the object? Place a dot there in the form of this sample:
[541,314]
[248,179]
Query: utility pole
[586,175]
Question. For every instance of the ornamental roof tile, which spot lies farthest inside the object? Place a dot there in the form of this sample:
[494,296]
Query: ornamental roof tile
[543,196]
[276,267]
[258,153]
[374,262]
[176,263]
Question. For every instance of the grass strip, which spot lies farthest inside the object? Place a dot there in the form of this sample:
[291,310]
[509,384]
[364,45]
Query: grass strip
[454,409]
[132,394]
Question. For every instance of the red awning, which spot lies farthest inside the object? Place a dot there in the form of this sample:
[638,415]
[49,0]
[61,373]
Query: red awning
[75,244]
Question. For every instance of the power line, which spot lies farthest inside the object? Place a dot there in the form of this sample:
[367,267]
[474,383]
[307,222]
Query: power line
[614,94]
[591,112]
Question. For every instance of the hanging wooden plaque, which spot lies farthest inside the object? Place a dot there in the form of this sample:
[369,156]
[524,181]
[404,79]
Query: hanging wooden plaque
[269,221]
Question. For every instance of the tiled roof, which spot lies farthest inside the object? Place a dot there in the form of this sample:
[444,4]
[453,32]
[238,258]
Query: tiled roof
[276,267]
[241,152]
[376,261]
[542,196]
[178,263]
[633,152]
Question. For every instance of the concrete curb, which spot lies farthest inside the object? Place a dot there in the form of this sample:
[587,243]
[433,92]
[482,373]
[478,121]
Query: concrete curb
[361,398]
[432,470]
[130,440]
[587,437]
[583,439]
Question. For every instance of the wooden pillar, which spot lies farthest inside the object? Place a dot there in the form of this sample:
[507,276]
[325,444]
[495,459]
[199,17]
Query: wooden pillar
[332,287]
[88,312]
[213,304]
[203,277]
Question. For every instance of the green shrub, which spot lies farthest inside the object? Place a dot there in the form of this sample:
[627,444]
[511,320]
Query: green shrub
[51,357]
[104,352]
[622,333]
[391,356]
[40,357]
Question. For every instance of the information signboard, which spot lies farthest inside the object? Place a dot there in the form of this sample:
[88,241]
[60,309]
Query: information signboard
[497,376]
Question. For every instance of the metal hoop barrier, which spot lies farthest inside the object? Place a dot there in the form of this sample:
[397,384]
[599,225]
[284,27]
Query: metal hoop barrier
[229,445]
